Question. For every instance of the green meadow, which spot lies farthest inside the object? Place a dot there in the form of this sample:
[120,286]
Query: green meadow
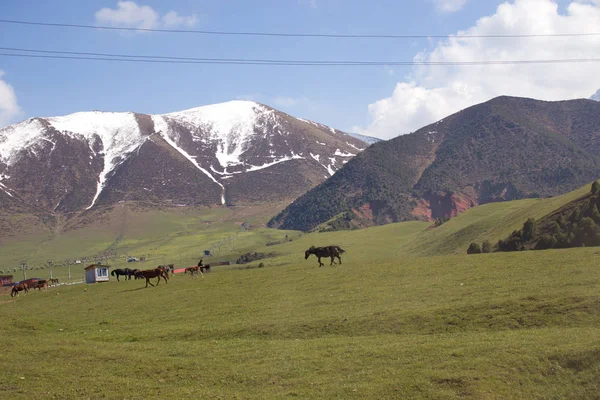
[407,315]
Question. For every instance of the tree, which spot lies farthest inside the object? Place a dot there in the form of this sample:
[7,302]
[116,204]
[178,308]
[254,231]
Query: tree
[555,228]
[575,215]
[474,248]
[595,188]
[486,247]
[529,228]
[546,242]
[595,214]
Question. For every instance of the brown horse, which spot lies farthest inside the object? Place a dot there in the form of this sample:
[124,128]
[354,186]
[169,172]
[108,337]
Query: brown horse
[152,273]
[53,281]
[195,270]
[20,287]
[169,269]
[39,285]
[329,251]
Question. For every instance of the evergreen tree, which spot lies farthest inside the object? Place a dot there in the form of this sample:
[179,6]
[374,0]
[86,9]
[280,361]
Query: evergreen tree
[486,247]
[595,214]
[529,228]
[595,187]
[575,215]
[555,228]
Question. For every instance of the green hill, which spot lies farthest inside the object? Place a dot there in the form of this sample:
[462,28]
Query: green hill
[407,315]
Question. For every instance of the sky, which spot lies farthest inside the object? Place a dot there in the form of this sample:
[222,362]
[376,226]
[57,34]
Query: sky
[381,101]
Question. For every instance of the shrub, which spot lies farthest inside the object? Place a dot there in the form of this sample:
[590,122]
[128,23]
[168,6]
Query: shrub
[474,248]
[486,247]
[595,187]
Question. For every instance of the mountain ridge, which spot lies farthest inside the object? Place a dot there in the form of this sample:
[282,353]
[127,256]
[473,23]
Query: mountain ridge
[226,153]
[504,149]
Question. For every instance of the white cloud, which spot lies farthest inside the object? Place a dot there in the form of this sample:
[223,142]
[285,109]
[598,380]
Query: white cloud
[449,6]
[9,108]
[172,20]
[433,92]
[128,14]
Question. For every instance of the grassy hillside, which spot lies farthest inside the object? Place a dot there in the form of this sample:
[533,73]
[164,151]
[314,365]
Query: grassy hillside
[181,236]
[504,326]
[387,323]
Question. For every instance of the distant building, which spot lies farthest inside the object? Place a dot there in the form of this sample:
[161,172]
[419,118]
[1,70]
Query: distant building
[6,280]
[96,273]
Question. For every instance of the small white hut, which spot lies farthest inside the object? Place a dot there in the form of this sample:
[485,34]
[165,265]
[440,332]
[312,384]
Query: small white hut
[96,273]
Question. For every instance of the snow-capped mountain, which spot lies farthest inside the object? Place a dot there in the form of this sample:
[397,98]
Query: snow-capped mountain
[596,96]
[228,153]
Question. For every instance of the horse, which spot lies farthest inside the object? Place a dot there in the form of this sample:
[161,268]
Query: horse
[19,287]
[131,272]
[53,281]
[328,251]
[121,272]
[203,268]
[195,270]
[168,268]
[165,269]
[41,284]
[152,273]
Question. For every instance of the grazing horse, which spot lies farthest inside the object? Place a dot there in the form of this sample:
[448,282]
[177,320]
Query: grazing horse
[121,272]
[195,270]
[41,284]
[53,281]
[329,251]
[152,273]
[20,287]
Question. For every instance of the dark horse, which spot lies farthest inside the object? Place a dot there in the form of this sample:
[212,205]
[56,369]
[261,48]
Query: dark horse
[18,288]
[329,251]
[126,272]
[153,273]
[203,268]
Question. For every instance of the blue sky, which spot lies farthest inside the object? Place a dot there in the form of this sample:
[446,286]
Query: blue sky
[348,98]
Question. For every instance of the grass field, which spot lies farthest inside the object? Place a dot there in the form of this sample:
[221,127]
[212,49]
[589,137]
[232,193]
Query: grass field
[499,326]
[407,315]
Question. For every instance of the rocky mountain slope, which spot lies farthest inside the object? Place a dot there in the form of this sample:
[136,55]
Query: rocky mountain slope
[231,153]
[504,149]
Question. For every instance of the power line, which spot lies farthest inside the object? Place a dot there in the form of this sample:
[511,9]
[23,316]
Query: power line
[74,55]
[288,34]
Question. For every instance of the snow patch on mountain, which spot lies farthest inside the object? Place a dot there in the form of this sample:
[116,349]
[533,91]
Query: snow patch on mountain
[17,137]
[342,154]
[231,124]
[596,96]
[161,125]
[286,158]
[119,133]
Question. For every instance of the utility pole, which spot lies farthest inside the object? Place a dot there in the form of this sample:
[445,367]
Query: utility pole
[24,268]
[50,266]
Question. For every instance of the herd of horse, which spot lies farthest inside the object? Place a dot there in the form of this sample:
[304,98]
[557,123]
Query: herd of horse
[26,286]
[164,272]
